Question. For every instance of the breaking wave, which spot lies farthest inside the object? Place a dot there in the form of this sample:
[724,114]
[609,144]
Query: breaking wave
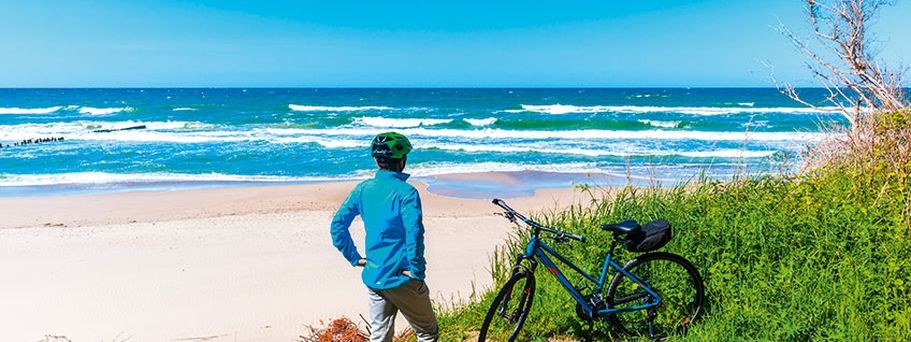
[85,130]
[443,168]
[27,111]
[584,134]
[661,124]
[481,122]
[55,109]
[728,153]
[200,132]
[558,109]
[104,111]
[376,121]
[304,108]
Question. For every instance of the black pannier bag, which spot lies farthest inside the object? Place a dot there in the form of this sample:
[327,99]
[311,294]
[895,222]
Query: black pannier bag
[651,236]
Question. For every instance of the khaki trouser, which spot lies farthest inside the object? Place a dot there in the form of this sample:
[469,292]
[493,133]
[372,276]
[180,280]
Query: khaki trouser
[413,300]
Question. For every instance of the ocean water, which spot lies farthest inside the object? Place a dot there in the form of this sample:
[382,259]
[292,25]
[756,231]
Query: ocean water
[222,137]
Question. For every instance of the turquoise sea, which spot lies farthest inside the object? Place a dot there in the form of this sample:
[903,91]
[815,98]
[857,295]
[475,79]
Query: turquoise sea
[189,138]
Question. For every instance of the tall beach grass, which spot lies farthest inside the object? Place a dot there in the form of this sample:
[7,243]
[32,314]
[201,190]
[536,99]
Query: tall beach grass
[823,255]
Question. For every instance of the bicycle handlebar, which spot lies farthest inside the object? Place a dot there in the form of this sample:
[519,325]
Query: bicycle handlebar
[579,238]
[560,234]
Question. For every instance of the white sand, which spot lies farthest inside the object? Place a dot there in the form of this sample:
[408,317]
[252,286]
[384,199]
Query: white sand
[236,264]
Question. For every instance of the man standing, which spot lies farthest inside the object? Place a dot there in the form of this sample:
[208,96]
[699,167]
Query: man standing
[394,264]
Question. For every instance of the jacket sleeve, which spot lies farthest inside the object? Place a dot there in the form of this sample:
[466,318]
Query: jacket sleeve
[412,219]
[339,229]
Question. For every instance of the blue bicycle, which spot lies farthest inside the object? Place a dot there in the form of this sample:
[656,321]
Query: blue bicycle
[655,294]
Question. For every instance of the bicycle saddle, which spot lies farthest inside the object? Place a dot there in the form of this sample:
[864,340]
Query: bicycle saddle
[624,227]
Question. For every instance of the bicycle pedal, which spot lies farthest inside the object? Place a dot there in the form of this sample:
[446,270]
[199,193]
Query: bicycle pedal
[652,314]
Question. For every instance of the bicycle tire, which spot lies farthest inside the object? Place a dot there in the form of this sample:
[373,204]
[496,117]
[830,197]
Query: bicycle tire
[518,314]
[687,296]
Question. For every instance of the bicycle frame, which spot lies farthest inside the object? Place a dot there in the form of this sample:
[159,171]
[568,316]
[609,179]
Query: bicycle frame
[538,249]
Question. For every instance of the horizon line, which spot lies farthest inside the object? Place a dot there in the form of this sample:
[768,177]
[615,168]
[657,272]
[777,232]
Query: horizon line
[414,87]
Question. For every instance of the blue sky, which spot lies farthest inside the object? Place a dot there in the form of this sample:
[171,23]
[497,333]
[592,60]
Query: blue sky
[165,43]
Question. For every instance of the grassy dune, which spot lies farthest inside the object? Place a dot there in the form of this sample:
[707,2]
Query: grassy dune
[824,255]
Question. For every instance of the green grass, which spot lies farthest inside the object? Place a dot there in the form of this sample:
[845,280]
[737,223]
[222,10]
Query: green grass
[821,256]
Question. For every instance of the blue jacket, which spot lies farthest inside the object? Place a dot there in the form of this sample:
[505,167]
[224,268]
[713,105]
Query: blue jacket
[391,210]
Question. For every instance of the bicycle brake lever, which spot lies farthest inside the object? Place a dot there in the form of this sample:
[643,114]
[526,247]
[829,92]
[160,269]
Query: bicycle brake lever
[559,238]
[509,216]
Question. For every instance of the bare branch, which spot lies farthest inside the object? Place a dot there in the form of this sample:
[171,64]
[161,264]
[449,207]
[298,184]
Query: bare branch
[841,56]
[857,83]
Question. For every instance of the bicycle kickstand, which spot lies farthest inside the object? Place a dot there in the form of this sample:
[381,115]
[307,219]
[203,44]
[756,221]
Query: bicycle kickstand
[651,325]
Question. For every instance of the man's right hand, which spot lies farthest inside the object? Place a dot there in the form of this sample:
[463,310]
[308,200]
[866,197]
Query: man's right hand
[362,262]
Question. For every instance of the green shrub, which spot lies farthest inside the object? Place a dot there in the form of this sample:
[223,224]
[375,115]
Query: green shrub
[897,120]
[822,256]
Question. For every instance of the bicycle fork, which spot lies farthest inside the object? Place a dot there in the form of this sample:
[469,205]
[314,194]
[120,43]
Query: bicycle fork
[519,267]
[502,310]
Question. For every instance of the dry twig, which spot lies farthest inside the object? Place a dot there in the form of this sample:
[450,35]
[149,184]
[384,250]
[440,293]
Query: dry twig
[862,88]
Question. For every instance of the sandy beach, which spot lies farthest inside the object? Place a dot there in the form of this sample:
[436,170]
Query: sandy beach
[226,264]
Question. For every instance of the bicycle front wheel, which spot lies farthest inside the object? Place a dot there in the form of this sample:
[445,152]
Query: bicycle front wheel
[677,283]
[509,309]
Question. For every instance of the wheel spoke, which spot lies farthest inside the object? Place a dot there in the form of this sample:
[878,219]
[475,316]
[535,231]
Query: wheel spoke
[630,298]
[675,281]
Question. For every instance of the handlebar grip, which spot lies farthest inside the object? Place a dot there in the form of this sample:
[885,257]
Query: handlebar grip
[502,204]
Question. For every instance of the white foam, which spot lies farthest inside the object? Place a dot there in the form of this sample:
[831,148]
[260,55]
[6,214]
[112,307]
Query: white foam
[85,130]
[597,152]
[376,121]
[481,122]
[589,134]
[650,95]
[580,142]
[7,180]
[659,123]
[427,169]
[184,109]
[174,137]
[303,108]
[755,124]
[27,111]
[558,109]
[534,148]
[104,111]
[746,104]
[436,168]
[328,143]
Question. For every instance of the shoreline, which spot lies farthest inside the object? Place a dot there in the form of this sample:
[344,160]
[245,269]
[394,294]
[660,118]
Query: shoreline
[471,185]
[244,263]
[459,190]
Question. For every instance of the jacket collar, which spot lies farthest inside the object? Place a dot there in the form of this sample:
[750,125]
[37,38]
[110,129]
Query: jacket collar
[392,174]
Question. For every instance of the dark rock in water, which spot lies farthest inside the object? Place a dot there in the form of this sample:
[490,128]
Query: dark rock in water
[119,129]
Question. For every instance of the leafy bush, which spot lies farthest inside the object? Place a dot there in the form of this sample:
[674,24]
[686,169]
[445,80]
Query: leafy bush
[826,255]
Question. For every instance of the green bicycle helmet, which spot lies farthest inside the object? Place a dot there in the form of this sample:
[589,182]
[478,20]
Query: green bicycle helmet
[390,145]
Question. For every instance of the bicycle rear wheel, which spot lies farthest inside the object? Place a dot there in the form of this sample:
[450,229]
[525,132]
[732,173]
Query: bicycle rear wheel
[509,309]
[674,279]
